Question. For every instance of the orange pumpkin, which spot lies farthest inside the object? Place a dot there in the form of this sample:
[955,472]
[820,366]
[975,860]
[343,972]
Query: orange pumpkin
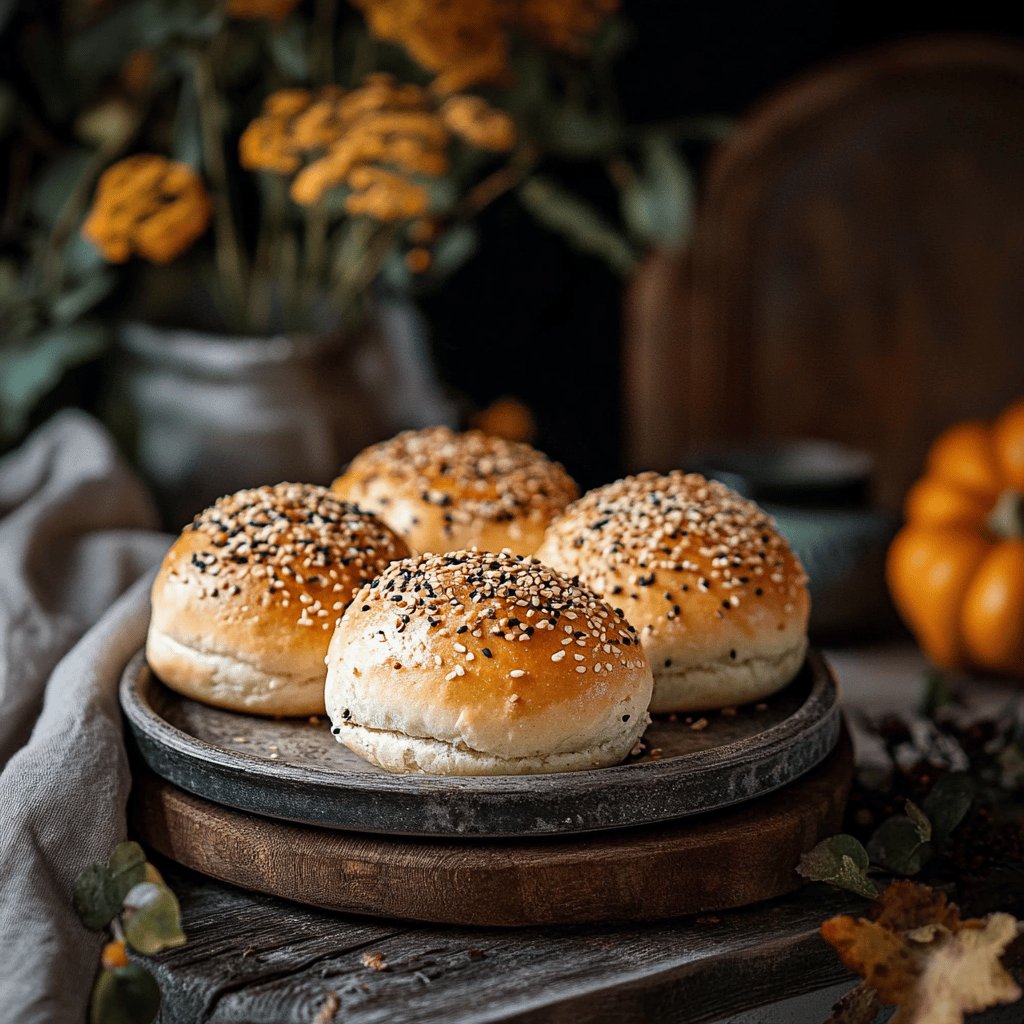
[956,569]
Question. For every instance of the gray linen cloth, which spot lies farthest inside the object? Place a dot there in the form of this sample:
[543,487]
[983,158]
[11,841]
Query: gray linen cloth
[78,542]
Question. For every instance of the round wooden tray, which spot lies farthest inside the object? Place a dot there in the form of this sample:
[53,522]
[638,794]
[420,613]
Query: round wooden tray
[295,770]
[726,859]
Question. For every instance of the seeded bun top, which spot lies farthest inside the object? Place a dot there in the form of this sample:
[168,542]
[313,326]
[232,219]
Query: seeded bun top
[702,572]
[491,654]
[259,580]
[444,491]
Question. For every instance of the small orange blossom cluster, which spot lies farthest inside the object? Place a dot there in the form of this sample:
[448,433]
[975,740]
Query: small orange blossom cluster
[149,206]
[374,139]
[465,42]
[272,10]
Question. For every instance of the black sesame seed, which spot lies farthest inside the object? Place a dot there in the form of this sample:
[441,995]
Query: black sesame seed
[668,663]
[732,654]
[462,629]
[486,652]
[625,718]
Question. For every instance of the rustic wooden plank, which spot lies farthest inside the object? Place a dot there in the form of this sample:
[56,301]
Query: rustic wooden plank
[295,770]
[259,959]
[730,858]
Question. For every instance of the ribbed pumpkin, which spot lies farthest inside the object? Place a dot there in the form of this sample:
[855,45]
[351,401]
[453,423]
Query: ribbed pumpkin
[956,569]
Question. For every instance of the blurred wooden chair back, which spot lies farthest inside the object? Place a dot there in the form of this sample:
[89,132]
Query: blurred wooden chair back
[857,266]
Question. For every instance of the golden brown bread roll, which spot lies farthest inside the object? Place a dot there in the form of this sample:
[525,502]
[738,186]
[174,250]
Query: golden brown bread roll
[472,663]
[720,600]
[443,491]
[246,599]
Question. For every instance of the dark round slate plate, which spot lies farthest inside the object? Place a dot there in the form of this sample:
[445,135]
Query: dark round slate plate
[294,769]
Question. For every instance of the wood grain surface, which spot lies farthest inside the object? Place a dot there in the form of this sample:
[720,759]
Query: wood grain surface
[854,271]
[293,769]
[262,960]
[726,859]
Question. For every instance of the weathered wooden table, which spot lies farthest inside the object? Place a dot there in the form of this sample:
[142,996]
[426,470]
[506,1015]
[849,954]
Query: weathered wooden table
[257,959]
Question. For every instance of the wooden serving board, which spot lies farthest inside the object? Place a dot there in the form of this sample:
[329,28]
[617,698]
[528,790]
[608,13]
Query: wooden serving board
[726,859]
[294,769]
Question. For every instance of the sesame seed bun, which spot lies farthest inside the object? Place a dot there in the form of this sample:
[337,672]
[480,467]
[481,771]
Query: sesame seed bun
[485,664]
[445,491]
[719,598]
[247,597]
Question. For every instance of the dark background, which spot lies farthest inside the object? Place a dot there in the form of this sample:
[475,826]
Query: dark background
[530,318]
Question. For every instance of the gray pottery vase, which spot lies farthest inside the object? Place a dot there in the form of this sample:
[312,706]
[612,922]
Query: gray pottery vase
[203,415]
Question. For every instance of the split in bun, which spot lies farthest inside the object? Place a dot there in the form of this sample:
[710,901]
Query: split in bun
[720,600]
[246,599]
[472,663]
[444,491]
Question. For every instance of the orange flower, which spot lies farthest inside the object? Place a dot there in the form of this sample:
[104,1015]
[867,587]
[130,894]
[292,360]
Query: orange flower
[272,10]
[334,133]
[508,418]
[148,206]
[566,25]
[480,124]
[465,42]
[385,195]
[418,260]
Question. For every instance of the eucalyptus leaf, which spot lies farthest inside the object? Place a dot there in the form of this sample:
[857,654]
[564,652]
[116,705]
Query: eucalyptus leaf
[152,918]
[441,195]
[936,693]
[99,50]
[948,802]
[128,861]
[187,140]
[81,258]
[71,304]
[101,888]
[289,50]
[124,995]
[658,203]
[897,846]
[920,820]
[580,134]
[840,861]
[454,248]
[611,40]
[166,21]
[55,184]
[396,274]
[580,224]
[28,372]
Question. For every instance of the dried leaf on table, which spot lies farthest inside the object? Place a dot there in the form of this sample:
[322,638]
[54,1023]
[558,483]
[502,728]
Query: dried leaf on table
[841,861]
[917,954]
[859,1006]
